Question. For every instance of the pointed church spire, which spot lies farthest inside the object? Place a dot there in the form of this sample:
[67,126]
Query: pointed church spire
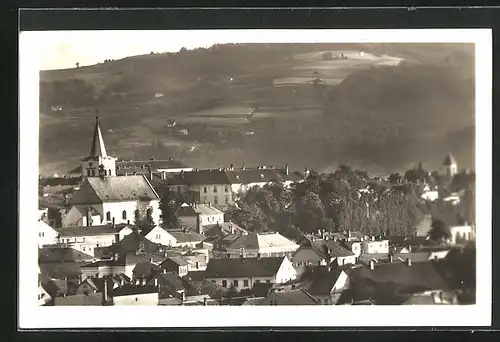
[97,149]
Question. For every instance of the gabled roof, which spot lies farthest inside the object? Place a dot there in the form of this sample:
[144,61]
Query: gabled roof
[92,299]
[96,190]
[135,241]
[90,230]
[254,301]
[256,175]
[335,248]
[186,235]
[187,210]
[172,281]
[222,228]
[321,283]
[255,241]
[145,269]
[200,177]
[58,270]
[289,297]
[59,254]
[129,290]
[243,267]
[178,260]
[423,275]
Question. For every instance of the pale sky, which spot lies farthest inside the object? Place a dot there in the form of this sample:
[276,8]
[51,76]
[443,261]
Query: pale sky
[63,49]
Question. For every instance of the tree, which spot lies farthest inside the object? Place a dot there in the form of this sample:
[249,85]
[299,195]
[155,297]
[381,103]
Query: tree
[169,206]
[440,232]
[77,64]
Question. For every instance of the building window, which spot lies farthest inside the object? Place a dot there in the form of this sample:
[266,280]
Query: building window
[93,173]
[109,172]
[235,283]
[124,214]
[205,189]
[224,283]
[105,173]
[226,199]
[204,199]
[216,200]
[268,281]
[90,164]
[108,216]
[88,173]
[245,282]
[226,189]
[215,189]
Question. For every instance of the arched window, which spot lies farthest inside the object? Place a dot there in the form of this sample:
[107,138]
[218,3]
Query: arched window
[88,173]
[108,216]
[109,172]
[124,215]
[105,173]
[93,173]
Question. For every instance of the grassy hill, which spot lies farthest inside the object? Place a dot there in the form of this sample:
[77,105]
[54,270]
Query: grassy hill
[383,107]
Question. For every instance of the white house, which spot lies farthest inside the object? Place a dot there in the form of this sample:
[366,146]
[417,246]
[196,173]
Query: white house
[46,234]
[327,286]
[87,238]
[159,235]
[461,234]
[243,273]
[253,245]
[375,246]
[143,295]
[122,199]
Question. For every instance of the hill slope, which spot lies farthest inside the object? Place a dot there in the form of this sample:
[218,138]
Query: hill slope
[364,112]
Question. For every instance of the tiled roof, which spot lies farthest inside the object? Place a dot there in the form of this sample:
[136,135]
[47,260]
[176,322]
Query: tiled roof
[90,230]
[255,241]
[183,236]
[222,228]
[335,248]
[247,267]
[155,164]
[321,283]
[415,256]
[51,202]
[96,190]
[200,177]
[170,301]
[193,210]
[134,241]
[255,175]
[97,148]
[422,275]
[254,301]
[171,280]
[145,269]
[196,276]
[57,270]
[59,254]
[289,297]
[92,299]
[236,176]
[177,260]
[128,290]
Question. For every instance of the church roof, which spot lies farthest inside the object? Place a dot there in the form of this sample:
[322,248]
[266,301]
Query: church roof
[97,149]
[96,190]
[449,160]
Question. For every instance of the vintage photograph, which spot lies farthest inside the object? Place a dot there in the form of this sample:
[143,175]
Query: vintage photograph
[205,172]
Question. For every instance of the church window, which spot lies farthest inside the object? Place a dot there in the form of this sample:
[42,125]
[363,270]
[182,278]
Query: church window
[124,215]
[88,173]
[109,172]
[108,216]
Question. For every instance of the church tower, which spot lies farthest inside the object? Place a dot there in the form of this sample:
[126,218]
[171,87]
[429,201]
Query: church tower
[98,163]
[450,165]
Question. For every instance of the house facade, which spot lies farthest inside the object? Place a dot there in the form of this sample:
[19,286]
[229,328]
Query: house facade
[375,246]
[461,234]
[46,234]
[199,216]
[161,236]
[244,273]
[144,295]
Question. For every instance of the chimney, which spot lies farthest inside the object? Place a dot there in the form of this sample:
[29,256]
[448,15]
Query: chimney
[391,258]
[105,291]
[150,260]
[205,301]
[156,282]
[349,234]
[116,256]
[199,227]
[231,167]
[441,297]
[243,167]
[183,297]
[164,270]
[372,264]
[182,174]
[128,222]
[163,175]
[373,238]
[231,228]
[113,225]
[408,261]
[137,282]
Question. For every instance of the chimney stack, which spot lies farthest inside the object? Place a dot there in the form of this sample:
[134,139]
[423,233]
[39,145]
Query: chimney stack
[128,222]
[105,291]
[243,167]
[156,282]
[163,175]
[199,227]
[182,174]
[391,258]
[372,264]
[231,167]
[408,261]
[231,228]
[183,297]
[113,222]
[287,171]
[205,301]
[373,238]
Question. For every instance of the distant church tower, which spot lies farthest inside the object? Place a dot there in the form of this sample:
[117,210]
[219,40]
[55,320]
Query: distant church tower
[450,165]
[98,163]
